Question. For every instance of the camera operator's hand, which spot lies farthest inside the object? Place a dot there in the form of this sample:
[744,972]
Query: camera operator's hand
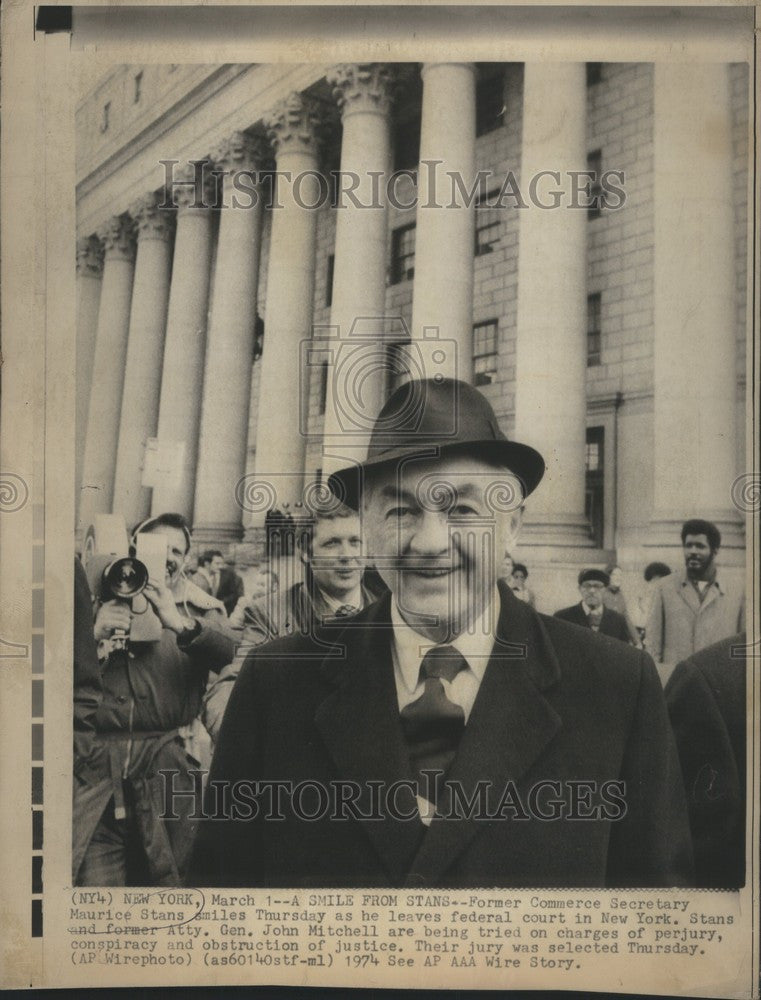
[111,617]
[163,603]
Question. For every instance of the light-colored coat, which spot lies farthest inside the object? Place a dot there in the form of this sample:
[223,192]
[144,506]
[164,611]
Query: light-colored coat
[680,624]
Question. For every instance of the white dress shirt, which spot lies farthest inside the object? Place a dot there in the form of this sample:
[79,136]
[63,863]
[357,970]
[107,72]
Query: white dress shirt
[408,648]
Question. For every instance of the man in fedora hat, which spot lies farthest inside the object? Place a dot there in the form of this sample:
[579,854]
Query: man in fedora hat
[591,611]
[448,735]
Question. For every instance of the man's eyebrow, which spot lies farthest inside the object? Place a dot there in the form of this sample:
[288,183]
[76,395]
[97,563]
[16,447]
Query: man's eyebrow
[391,492]
[469,491]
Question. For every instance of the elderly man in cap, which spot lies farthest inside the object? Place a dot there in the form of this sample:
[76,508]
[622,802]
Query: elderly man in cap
[448,735]
[591,612]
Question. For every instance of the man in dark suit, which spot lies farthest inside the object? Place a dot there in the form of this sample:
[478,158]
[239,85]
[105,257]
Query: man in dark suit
[219,579]
[230,589]
[591,612]
[448,735]
[708,710]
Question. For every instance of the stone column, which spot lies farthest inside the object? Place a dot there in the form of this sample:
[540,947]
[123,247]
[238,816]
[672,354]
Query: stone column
[182,371]
[695,366]
[443,291]
[281,424]
[145,349]
[89,282]
[551,356]
[99,463]
[356,376]
[229,352]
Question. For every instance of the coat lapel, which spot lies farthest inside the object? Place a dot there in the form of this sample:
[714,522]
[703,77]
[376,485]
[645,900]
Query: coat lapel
[359,724]
[689,596]
[509,727]
[580,617]
[712,594]
[606,623]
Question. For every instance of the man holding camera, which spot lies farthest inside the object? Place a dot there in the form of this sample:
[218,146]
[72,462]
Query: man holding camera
[448,735]
[150,690]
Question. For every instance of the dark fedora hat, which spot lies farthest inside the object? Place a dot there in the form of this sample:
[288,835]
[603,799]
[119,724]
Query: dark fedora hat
[431,418]
[594,576]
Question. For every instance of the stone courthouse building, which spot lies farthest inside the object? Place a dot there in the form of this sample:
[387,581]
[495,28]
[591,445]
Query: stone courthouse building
[230,356]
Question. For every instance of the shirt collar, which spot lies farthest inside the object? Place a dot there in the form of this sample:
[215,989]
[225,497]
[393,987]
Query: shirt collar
[715,582]
[475,646]
[332,604]
[591,611]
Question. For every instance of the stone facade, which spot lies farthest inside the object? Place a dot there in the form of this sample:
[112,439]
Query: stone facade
[139,115]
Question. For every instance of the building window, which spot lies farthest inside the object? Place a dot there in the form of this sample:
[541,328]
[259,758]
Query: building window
[594,73]
[329,271]
[594,452]
[488,225]
[595,483]
[407,143]
[594,329]
[594,166]
[485,352]
[323,385]
[104,122]
[258,337]
[138,88]
[403,254]
[490,103]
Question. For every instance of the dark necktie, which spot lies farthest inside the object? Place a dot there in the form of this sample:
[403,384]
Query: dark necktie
[432,725]
[595,617]
[346,610]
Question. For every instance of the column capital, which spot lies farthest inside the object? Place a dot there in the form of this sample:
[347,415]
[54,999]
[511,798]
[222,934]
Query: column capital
[152,222]
[294,124]
[183,191]
[365,87]
[89,257]
[118,238]
[241,151]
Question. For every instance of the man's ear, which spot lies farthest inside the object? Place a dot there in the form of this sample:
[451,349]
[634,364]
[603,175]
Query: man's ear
[516,520]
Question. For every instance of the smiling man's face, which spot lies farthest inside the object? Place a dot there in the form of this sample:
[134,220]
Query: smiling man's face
[336,555]
[437,531]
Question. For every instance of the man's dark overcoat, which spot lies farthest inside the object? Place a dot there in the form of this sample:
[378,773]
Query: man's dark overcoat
[557,703]
[612,623]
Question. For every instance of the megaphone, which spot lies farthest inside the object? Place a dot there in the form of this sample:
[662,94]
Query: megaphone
[114,574]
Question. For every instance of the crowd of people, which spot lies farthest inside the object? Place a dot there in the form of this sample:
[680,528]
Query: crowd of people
[236,664]
[671,620]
